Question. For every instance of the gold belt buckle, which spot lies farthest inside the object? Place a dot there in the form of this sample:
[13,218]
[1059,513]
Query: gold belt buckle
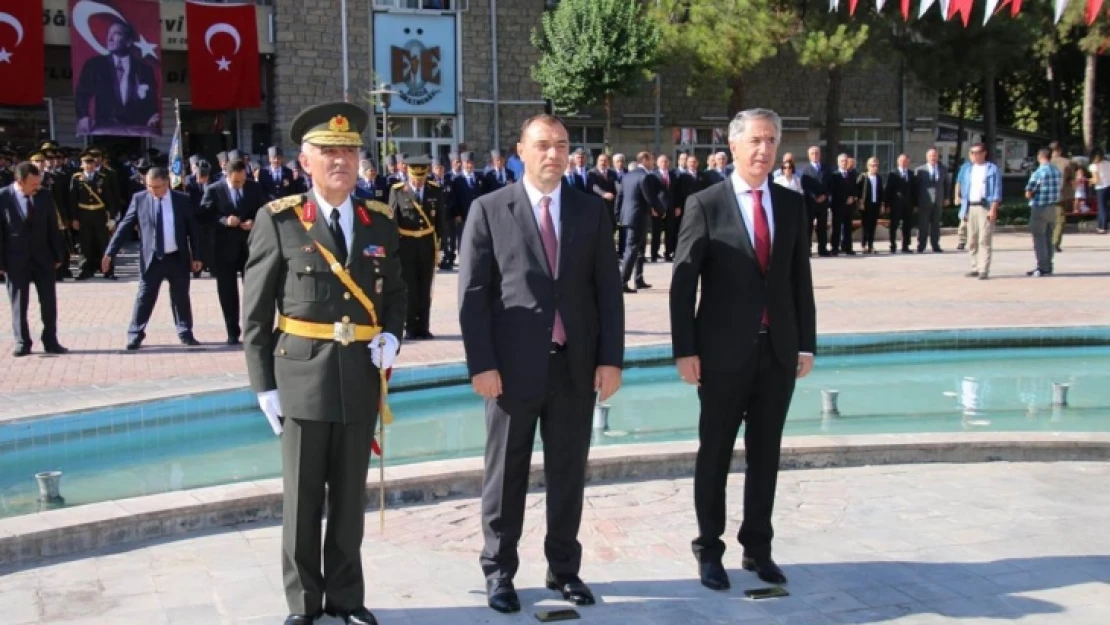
[344,332]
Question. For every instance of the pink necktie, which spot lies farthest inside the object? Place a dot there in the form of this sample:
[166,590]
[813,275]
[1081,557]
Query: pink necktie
[551,248]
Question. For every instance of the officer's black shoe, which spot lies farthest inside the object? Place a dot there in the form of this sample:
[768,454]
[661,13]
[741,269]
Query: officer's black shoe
[358,616]
[56,348]
[300,619]
[189,340]
[501,595]
[572,588]
[713,575]
[765,568]
[21,352]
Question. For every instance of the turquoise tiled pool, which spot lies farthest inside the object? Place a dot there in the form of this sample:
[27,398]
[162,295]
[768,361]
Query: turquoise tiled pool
[885,387]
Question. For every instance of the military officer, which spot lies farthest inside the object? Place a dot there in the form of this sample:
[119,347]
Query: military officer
[93,209]
[418,207]
[43,158]
[326,264]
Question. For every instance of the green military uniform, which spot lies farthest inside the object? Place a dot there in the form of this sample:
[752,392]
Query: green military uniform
[328,389]
[92,203]
[419,213]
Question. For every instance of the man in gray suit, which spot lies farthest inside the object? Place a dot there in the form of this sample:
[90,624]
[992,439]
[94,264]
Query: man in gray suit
[542,321]
[932,184]
[169,246]
[640,202]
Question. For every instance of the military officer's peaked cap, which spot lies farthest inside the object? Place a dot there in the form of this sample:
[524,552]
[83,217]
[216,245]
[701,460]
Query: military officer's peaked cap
[88,155]
[49,144]
[419,165]
[332,124]
[37,155]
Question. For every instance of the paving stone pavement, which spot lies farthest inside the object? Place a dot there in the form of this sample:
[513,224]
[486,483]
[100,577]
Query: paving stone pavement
[854,294]
[905,545]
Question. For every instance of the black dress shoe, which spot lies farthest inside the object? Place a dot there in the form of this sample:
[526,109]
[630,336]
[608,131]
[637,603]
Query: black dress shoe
[501,596]
[412,336]
[936,250]
[574,589]
[232,340]
[714,576]
[359,616]
[643,285]
[134,344]
[427,336]
[83,277]
[300,619]
[20,352]
[628,289]
[55,349]
[190,341]
[765,568]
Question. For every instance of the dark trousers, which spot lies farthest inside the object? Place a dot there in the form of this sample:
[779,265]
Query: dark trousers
[869,220]
[841,238]
[901,216]
[206,247]
[820,222]
[418,268]
[928,226]
[94,238]
[227,269]
[1103,196]
[316,454]
[632,263]
[622,237]
[759,396]
[658,227]
[19,294]
[172,270]
[674,222]
[451,232]
[565,418]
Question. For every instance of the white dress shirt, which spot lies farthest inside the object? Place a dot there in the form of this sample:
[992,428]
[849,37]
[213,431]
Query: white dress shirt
[978,188]
[534,197]
[169,228]
[122,86]
[746,200]
[22,200]
[346,219]
[874,180]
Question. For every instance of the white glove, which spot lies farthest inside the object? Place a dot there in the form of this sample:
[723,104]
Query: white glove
[383,356]
[271,407]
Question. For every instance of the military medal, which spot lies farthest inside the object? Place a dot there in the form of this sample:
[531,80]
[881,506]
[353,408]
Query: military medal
[378,286]
[308,249]
[374,251]
[363,216]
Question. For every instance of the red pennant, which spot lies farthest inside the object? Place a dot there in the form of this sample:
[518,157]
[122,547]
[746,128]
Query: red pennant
[905,10]
[1015,8]
[223,56]
[22,53]
[963,7]
[1093,9]
[852,7]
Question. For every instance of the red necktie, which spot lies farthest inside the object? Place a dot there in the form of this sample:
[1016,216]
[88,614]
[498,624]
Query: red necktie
[762,239]
[551,248]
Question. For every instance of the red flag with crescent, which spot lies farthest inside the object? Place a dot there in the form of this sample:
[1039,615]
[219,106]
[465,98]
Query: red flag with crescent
[22,53]
[223,56]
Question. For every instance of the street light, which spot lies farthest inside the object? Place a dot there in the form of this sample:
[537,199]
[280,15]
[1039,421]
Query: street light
[384,94]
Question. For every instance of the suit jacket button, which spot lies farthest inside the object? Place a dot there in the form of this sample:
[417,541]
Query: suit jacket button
[346,319]
[281,351]
[346,296]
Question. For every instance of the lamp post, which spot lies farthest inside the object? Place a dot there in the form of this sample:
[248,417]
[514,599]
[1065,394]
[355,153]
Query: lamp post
[384,94]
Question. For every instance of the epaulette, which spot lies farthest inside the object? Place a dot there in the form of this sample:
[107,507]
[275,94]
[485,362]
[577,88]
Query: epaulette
[432,183]
[379,207]
[398,185]
[285,203]
[76,173]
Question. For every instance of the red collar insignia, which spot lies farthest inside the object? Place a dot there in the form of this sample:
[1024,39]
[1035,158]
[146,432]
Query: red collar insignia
[310,212]
[363,216]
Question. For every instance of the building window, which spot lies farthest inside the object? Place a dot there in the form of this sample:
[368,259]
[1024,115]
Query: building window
[589,138]
[863,143]
[702,142]
[416,5]
[414,136]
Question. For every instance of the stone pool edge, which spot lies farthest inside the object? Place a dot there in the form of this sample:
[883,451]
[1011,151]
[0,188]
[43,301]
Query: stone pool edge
[73,531]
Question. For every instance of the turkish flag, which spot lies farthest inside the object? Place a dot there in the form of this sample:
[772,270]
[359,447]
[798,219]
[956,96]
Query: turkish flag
[22,52]
[223,56]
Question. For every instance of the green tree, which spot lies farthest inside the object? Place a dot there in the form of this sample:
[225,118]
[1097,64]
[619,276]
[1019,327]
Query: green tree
[593,50]
[1091,40]
[830,46]
[721,40]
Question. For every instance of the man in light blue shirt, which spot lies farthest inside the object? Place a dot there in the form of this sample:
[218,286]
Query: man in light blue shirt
[979,192]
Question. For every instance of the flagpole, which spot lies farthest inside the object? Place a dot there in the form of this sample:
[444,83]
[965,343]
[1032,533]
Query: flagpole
[343,31]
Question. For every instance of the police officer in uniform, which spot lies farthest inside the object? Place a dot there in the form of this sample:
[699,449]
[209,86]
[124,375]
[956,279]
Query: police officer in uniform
[326,265]
[418,207]
[93,209]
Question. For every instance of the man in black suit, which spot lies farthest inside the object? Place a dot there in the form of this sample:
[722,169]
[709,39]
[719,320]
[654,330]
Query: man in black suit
[31,250]
[752,334]
[498,176]
[901,194]
[602,181]
[118,89]
[230,206]
[817,198]
[277,180]
[543,326]
[371,185]
[640,201]
[168,238]
[577,172]
[843,194]
[466,187]
[619,170]
[665,183]
[690,180]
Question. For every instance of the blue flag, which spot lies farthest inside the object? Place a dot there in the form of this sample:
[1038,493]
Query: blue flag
[177,164]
